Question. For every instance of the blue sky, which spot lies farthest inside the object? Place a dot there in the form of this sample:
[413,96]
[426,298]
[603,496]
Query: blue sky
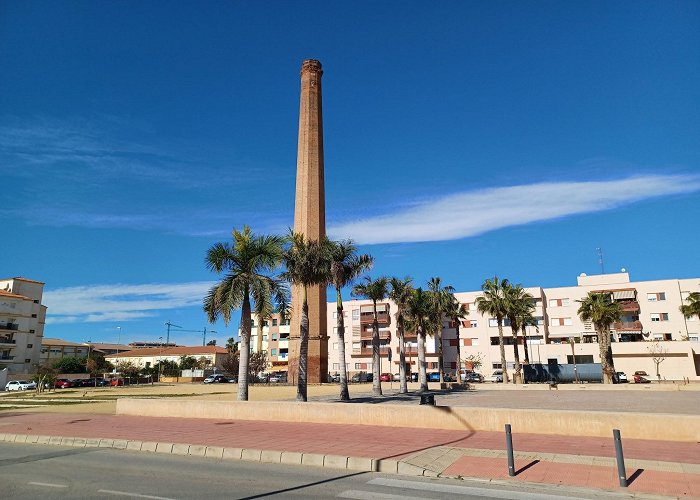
[462,139]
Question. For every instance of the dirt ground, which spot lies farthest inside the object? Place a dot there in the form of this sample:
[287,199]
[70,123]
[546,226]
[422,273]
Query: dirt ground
[651,399]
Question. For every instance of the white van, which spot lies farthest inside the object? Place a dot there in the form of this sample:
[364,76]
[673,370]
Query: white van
[496,376]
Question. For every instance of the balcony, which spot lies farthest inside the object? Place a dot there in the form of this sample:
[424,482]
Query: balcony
[7,359]
[630,306]
[628,326]
[6,340]
[367,335]
[367,352]
[10,326]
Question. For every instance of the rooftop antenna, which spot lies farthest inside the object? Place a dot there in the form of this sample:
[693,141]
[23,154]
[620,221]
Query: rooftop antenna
[599,251]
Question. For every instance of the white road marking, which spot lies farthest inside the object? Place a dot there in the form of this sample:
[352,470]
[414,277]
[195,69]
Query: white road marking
[49,485]
[464,490]
[133,495]
[370,495]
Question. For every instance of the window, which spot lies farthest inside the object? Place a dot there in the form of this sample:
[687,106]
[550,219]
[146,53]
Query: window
[475,341]
[558,302]
[31,331]
[274,336]
[656,297]
[472,323]
[336,366]
[453,343]
[33,315]
[560,322]
[286,322]
[264,338]
[27,360]
[274,322]
[252,323]
[659,317]
[358,366]
[29,346]
[433,365]
[273,352]
[540,320]
[355,314]
[265,323]
[335,314]
[36,301]
[335,346]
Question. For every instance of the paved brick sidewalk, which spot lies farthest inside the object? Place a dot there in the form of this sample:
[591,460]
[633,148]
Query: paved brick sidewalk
[574,461]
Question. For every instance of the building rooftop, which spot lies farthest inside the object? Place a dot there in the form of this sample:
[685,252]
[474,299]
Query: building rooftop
[51,341]
[5,293]
[19,278]
[171,351]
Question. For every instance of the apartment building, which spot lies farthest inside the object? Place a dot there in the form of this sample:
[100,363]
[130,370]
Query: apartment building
[651,327]
[271,336]
[54,349]
[22,319]
[146,357]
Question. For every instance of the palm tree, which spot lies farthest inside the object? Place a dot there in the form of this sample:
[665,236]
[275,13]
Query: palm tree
[518,303]
[440,298]
[493,303]
[400,291]
[231,345]
[307,264]
[693,307]
[374,290]
[248,263]
[456,312]
[418,319]
[602,311]
[527,319]
[346,265]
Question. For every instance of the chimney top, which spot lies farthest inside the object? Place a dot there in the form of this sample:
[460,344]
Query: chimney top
[311,65]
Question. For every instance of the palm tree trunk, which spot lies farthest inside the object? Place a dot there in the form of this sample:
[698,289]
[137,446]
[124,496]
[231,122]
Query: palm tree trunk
[441,361]
[504,365]
[604,347]
[403,387]
[517,377]
[376,359]
[423,376]
[245,348]
[459,355]
[525,348]
[344,393]
[303,349]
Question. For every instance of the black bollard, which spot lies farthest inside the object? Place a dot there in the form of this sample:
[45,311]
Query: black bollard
[622,474]
[509,448]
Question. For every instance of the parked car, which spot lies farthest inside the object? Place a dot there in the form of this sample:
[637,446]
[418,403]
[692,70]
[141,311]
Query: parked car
[414,377]
[20,385]
[335,377]
[473,377]
[641,373]
[495,377]
[281,378]
[448,377]
[63,383]
[638,379]
[397,377]
[385,377]
[362,377]
[216,379]
[115,382]
[620,378]
[434,377]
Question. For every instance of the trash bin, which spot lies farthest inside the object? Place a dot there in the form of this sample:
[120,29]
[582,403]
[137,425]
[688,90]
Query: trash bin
[427,399]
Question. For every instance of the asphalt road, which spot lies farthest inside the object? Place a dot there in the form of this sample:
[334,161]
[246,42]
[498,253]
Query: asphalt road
[47,472]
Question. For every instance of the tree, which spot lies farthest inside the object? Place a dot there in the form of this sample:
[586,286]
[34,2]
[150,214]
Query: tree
[658,355]
[70,365]
[418,319]
[97,364]
[400,291]
[248,264]
[474,361]
[231,345]
[230,363]
[440,299]
[45,374]
[346,266]
[602,311]
[212,342]
[493,303]
[692,308]
[307,264]
[189,363]
[128,369]
[456,312]
[374,290]
[258,364]
[518,304]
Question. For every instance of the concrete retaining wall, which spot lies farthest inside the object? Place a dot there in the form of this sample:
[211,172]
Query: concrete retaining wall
[655,426]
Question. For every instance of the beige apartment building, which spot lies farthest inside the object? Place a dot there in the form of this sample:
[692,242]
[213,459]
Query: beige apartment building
[146,357]
[22,319]
[651,327]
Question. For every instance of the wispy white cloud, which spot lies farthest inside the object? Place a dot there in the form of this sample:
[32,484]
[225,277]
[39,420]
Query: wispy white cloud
[472,213]
[98,303]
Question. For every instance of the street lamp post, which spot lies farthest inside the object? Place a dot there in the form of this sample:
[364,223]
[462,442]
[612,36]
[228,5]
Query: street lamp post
[160,359]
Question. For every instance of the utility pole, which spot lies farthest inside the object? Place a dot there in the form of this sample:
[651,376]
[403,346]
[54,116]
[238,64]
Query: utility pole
[599,251]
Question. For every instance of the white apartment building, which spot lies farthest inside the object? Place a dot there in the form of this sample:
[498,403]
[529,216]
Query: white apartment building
[651,321]
[22,318]
[147,357]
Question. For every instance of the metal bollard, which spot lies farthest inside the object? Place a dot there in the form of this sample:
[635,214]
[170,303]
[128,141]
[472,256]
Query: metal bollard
[509,448]
[622,474]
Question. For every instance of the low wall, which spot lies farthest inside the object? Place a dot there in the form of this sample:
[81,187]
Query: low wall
[667,427]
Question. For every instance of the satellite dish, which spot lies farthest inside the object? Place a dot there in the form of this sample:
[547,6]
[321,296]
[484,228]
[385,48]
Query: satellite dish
[583,274]
[623,270]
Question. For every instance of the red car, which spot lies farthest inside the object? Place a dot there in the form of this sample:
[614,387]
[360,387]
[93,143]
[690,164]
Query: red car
[116,381]
[385,377]
[638,379]
[62,383]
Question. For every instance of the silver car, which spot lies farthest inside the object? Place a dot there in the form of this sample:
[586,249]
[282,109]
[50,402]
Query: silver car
[20,385]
